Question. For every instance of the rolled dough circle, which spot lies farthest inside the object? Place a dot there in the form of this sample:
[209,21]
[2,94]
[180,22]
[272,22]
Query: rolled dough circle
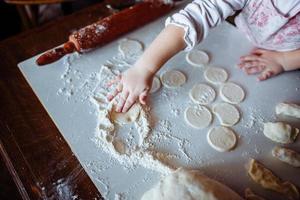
[129,47]
[215,75]
[198,117]
[173,79]
[125,118]
[155,85]
[202,94]
[227,114]
[197,58]
[232,93]
[221,138]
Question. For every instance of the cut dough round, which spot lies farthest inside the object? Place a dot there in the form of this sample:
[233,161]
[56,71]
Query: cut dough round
[128,47]
[198,117]
[197,58]
[186,184]
[202,94]
[232,93]
[221,138]
[215,75]
[155,85]
[125,118]
[173,79]
[227,114]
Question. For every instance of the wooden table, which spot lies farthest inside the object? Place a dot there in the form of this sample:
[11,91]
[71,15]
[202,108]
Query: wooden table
[36,155]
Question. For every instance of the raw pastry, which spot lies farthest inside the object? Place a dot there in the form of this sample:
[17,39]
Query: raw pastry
[198,117]
[268,180]
[287,155]
[186,184]
[128,47]
[232,93]
[202,94]
[125,118]
[173,79]
[227,114]
[155,85]
[288,109]
[249,195]
[197,58]
[221,138]
[280,132]
[215,75]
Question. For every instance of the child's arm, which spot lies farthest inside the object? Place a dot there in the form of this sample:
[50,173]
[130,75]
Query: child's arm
[270,63]
[136,81]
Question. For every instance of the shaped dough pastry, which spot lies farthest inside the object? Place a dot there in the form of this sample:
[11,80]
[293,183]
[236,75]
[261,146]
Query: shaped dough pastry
[227,114]
[288,109]
[215,75]
[249,195]
[280,132]
[221,138]
[197,58]
[232,93]
[202,94]
[287,155]
[173,79]
[155,85]
[198,117]
[264,177]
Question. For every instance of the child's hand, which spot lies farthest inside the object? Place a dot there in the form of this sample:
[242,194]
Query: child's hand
[267,63]
[133,84]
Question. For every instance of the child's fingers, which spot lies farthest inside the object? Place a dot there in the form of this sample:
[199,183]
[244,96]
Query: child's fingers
[121,101]
[113,81]
[117,90]
[251,58]
[265,75]
[129,102]
[254,70]
[258,51]
[143,97]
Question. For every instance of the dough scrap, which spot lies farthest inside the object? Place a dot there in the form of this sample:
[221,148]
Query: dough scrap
[173,79]
[129,47]
[189,184]
[227,114]
[280,132]
[264,177]
[125,118]
[221,138]
[287,155]
[156,84]
[232,93]
[215,75]
[198,117]
[288,109]
[197,58]
[202,94]
[249,195]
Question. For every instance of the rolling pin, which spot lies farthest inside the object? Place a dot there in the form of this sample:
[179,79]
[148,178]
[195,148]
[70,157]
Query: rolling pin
[107,29]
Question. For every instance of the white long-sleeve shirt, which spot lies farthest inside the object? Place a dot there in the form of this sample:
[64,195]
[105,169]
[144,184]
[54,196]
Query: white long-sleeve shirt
[269,24]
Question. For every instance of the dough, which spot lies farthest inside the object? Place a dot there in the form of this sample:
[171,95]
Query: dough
[287,155]
[221,138]
[155,85]
[264,177]
[249,195]
[125,118]
[288,109]
[128,47]
[232,93]
[173,79]
[202,94]
[198,117]
[197,58]
[184,184]
[227,114]
[215,75]
[280,132]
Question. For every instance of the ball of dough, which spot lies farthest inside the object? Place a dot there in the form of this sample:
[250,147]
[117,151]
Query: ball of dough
[173,79]
[129,47]
[227,114]
[125,118]
[215,75]
[221,138]
[184,184]
[202,94]
[155,85]
[197,58]
[232,93]
[198,117]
